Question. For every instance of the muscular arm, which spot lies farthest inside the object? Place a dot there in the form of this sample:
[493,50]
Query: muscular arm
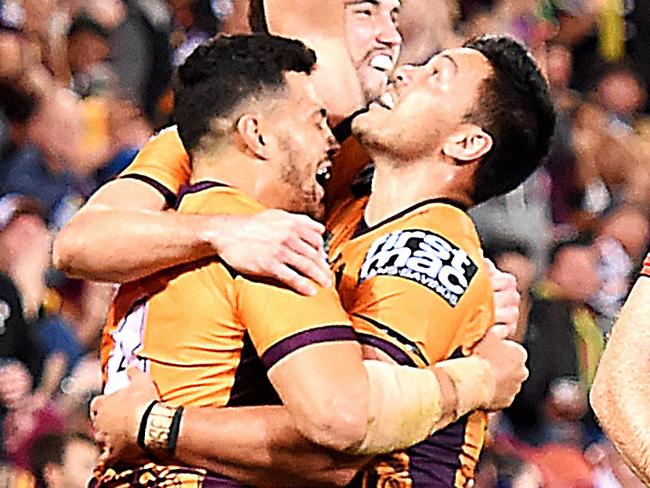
[257,445]
[621,390]
[272,453]
[123,234]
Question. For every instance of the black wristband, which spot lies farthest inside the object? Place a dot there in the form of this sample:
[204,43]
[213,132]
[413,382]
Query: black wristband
[174,430]
[143,424]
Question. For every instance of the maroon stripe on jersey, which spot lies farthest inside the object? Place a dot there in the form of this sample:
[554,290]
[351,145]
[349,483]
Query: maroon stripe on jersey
[196,188]
[330,333]
[218,482]
[399,356]
[168,195]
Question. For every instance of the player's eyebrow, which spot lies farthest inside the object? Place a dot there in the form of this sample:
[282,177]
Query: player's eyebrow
[357,2]
[453,61]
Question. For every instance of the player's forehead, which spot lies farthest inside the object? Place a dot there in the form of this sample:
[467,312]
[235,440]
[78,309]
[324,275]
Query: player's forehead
[462,57]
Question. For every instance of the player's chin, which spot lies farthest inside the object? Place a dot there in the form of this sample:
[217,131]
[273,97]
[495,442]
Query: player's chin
[374,82]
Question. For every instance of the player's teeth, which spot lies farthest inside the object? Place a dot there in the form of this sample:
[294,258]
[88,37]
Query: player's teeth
[382,62]
[388,101]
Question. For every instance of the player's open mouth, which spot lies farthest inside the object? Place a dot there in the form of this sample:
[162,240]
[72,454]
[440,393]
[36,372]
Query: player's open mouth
[324,172]
[387,101]
[382,62]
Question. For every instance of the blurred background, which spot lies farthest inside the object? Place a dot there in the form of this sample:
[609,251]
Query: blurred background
[84,84]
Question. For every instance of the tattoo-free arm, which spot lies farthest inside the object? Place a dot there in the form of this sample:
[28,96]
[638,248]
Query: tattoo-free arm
[123,234]
[621,390]
[276,454]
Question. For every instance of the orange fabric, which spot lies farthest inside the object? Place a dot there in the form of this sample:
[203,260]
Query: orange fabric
[163,159]
[191,323]
[418,283]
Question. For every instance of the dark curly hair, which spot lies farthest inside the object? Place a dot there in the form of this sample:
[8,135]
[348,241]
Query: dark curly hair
[227,70]
[515,108]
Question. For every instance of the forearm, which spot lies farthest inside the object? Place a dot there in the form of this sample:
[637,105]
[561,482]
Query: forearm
[119,245]
[621,389]
[259,446]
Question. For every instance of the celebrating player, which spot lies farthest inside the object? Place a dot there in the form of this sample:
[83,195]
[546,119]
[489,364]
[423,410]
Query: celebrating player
[412,276]
[284,246]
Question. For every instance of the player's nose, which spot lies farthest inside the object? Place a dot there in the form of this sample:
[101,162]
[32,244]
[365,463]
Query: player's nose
[387,32]
[402,76]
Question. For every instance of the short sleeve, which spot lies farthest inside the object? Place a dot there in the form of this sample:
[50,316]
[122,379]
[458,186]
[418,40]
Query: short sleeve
[280,321]
[162,163]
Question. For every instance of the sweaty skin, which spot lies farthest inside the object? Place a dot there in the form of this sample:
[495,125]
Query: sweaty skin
[621,390]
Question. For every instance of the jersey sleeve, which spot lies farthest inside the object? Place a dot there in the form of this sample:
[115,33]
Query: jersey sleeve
[280,321]
[162,163]
[424,292]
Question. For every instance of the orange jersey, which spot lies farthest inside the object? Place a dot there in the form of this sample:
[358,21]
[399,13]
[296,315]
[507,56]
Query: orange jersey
[162,163]
[208,335]
[418,291]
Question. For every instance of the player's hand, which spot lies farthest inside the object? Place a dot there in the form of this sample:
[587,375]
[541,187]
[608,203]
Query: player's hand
[275,244]
[508,361]
[506,298]
[116,418]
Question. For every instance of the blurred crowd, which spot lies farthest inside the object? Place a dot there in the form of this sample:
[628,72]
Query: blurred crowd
[84,83]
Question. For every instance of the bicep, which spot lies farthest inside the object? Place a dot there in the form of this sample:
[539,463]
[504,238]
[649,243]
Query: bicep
[310,378]
[309,349]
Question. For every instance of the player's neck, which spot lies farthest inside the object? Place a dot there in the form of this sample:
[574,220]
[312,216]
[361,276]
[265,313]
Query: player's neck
[396,188]
[227,165]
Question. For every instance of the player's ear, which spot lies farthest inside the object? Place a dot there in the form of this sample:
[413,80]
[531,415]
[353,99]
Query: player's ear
[468,143]
[248,128]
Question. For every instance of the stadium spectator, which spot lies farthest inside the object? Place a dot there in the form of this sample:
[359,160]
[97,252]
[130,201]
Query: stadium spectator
[564,344]
[63,461]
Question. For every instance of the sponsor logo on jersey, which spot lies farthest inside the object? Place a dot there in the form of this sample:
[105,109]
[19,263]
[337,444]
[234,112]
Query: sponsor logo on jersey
[424,257]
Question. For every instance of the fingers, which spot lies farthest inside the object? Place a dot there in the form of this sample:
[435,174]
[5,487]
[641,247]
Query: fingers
[134,373]
[499,332]
[308,262]
[309,231]
[503,281]
[491,267]
[293,280]
[309,224]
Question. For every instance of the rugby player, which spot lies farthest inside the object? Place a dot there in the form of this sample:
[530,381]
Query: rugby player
[287,247]
[280,245]
[210,337]
[412,276]
[621,390]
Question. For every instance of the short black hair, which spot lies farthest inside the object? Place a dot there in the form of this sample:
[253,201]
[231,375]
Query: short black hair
[257,17]
[227,70]
[515,108]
